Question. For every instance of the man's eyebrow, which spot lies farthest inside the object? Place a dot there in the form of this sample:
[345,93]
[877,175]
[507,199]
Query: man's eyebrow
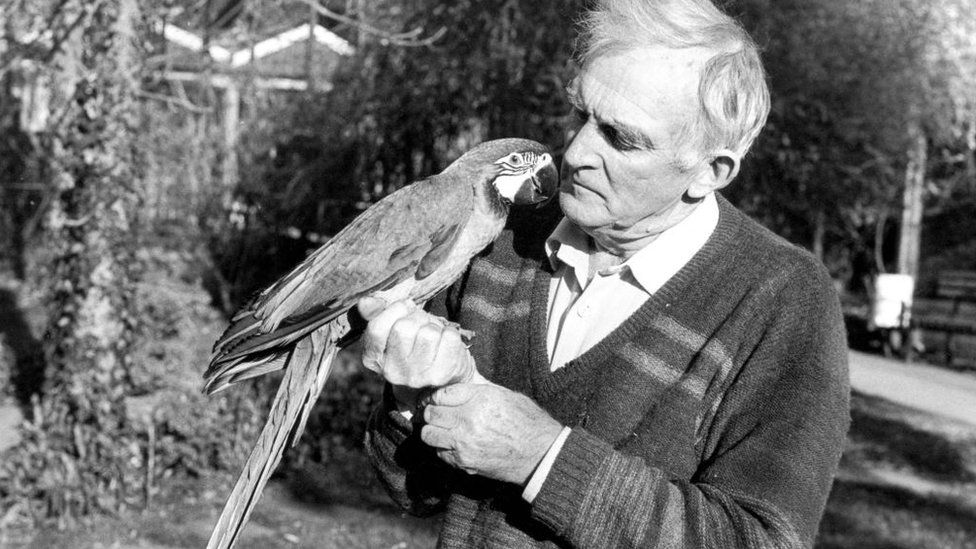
[629,133]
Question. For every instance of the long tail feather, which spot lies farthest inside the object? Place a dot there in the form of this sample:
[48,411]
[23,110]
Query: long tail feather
[305,374]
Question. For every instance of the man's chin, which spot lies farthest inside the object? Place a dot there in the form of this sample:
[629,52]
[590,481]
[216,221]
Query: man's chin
[578,211]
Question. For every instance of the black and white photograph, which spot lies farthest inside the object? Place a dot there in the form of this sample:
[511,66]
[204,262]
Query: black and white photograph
[501,274]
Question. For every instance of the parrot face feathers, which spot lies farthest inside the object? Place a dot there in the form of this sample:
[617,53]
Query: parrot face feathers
[526,177]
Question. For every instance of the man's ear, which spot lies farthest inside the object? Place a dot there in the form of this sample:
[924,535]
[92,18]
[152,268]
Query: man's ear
[722,169]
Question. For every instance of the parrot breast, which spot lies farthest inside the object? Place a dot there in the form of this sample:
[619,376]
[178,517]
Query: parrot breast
[482,228]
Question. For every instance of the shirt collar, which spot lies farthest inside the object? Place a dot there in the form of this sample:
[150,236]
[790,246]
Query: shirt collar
[653,265]
[568,244]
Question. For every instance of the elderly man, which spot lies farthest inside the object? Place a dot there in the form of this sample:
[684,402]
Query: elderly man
[655,370]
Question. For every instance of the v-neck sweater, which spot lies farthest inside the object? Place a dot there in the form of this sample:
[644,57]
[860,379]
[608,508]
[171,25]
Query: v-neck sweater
[714,416]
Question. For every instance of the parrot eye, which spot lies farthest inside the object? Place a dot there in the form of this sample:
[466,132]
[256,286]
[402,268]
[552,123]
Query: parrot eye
[516,161]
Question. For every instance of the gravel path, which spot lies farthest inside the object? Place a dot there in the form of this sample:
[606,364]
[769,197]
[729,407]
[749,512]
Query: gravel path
[932,389]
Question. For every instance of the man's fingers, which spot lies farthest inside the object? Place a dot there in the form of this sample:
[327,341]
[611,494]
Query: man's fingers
[437,437]
[378,330]
[426,343]
[410,333]
[445,417]
[452,351]
[454,395]
[380,325]
[371,306]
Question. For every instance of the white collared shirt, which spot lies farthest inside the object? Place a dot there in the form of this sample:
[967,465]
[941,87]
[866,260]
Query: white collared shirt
[582,312]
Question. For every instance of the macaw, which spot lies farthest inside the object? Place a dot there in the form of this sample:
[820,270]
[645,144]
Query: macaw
[411,244]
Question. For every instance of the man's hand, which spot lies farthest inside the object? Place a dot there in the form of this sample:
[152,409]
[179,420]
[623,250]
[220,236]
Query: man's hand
[489,430]
[413,349]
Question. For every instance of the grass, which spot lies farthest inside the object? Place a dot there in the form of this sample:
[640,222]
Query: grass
[907,481]
[334,507]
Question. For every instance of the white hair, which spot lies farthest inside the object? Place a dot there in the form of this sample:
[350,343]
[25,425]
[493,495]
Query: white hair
[732,92]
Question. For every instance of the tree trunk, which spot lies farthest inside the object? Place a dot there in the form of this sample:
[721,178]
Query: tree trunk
[911,217]
[231,120]
[879,239]
[971,154]
[89,446]
[819,232]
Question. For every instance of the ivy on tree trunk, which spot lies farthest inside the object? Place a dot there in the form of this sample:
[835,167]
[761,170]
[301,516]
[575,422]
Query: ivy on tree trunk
[80,449]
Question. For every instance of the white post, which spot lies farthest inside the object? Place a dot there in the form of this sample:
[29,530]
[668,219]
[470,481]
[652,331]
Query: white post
[232,116]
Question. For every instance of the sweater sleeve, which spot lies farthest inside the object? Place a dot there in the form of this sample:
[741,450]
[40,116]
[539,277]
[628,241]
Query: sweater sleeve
[410,471]
[773,449]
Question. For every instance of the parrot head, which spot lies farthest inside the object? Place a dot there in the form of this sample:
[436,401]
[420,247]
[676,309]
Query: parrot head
[526,177]
[521,171]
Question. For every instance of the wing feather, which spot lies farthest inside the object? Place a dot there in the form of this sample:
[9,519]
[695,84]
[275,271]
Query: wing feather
[407,234]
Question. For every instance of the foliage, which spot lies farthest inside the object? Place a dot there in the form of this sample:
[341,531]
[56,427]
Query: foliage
[193,433]
[850,82]
[76,452]
[500,70]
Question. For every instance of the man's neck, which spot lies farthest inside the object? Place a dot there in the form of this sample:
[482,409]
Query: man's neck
[624,242]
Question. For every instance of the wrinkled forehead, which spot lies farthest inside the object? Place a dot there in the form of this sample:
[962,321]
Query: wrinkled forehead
[652,86]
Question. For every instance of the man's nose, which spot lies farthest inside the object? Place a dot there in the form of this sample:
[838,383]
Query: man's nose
[579,149]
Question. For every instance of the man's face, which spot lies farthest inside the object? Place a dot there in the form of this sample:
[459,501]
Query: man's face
[621,171]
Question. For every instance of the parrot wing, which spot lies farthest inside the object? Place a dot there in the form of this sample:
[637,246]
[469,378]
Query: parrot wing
[405,235]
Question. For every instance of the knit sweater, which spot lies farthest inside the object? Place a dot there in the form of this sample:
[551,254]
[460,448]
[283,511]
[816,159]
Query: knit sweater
[714,416]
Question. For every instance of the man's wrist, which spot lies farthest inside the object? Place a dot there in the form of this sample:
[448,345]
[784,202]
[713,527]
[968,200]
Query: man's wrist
[538,477]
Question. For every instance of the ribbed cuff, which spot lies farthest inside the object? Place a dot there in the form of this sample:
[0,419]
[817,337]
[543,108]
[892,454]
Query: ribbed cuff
[562,494]
[542,470]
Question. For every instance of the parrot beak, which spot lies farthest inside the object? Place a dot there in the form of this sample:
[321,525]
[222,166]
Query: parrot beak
[541,183]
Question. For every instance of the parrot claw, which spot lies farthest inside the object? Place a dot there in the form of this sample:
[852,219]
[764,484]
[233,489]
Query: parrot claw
[466,335]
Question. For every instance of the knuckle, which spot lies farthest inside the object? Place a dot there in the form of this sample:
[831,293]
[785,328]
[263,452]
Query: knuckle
[374,332]
[399,308]
[452,337]
[440,375]
[404,327]
[428,335]
[440,395]
[465,457]
[448,457]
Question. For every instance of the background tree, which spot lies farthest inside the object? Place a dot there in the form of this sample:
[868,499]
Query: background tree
[80,418]
[863,93]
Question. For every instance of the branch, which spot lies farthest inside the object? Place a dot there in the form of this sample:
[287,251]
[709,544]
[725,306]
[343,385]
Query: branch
[181,102]
[46,45]
[58,41]
[405,39]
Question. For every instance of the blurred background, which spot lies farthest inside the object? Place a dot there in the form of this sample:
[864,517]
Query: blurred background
[161,161]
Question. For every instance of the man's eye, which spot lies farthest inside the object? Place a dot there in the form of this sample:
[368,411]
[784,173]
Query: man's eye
[616,139]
